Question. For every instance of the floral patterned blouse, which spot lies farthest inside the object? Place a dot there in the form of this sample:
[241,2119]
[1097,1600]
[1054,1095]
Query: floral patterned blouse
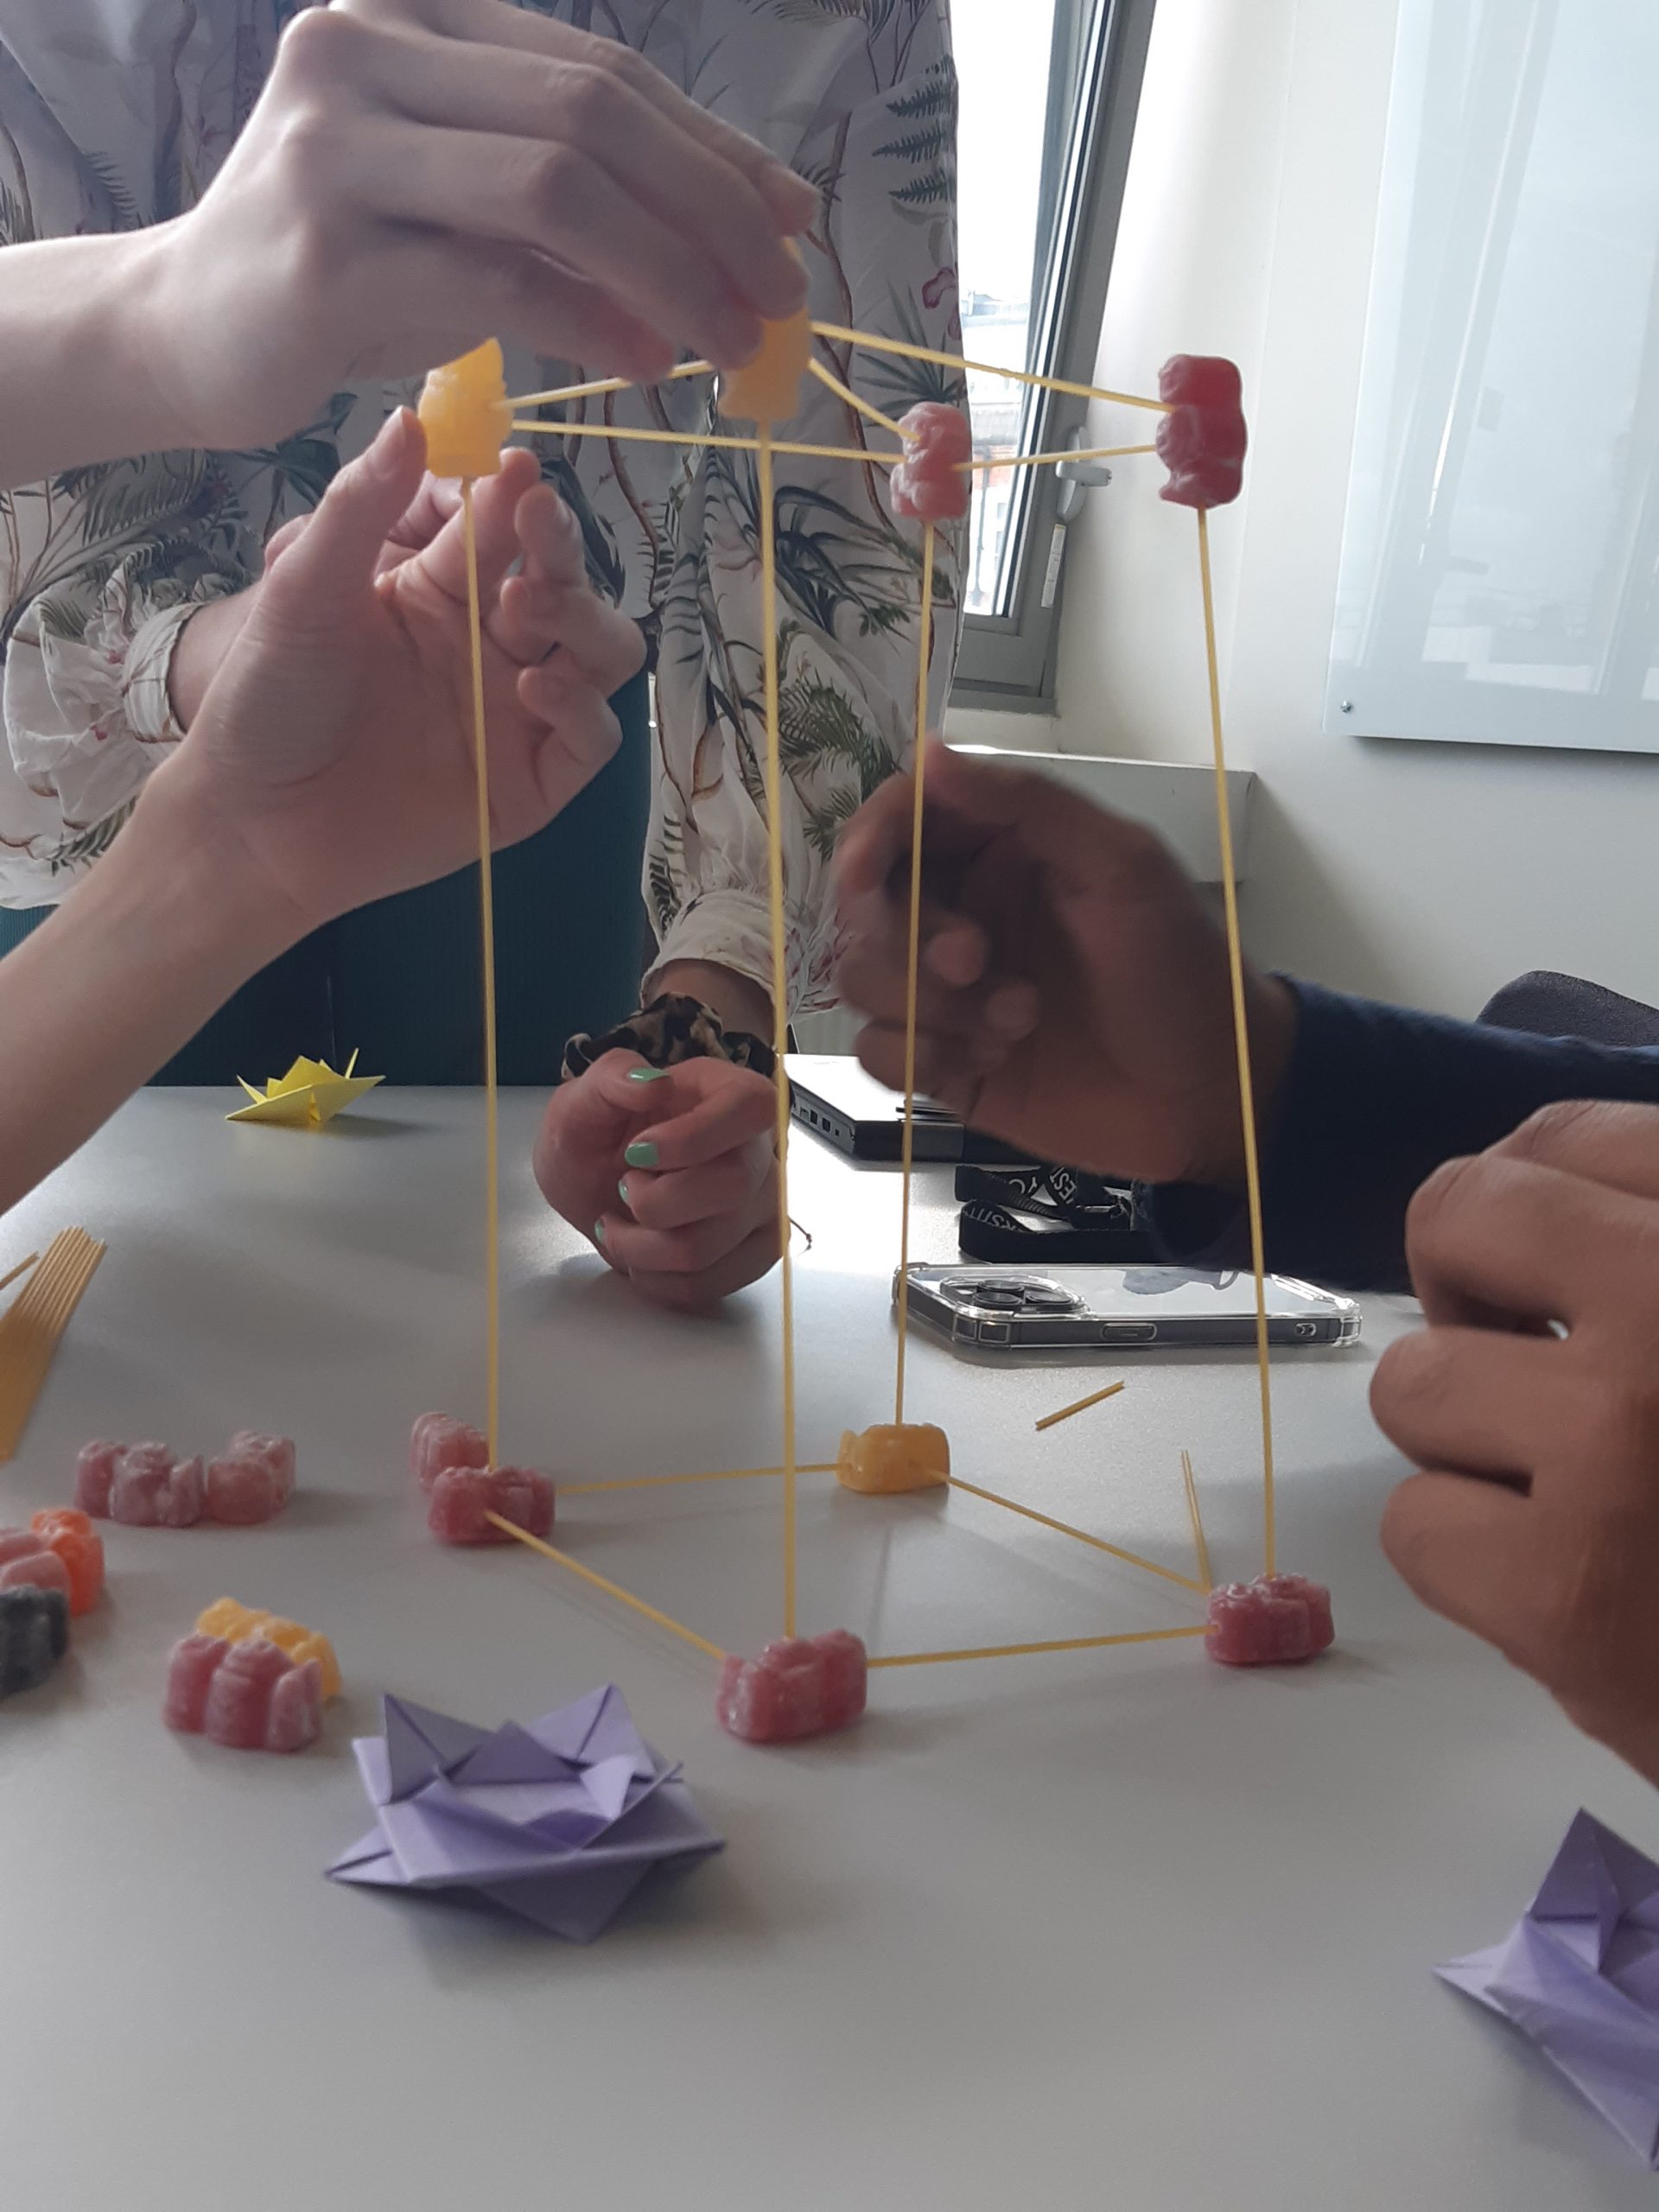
[116,113]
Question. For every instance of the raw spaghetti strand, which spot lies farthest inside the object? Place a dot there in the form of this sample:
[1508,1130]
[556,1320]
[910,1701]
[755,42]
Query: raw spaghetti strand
[869,342]
[486,915]
[780,981]
[1242,1042]
[603,1583]
[912,966]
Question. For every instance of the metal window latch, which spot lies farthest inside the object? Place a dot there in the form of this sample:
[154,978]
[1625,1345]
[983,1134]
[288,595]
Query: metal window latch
[1077,480]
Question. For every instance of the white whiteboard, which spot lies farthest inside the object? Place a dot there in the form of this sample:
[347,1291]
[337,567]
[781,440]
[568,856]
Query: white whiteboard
[1499,580]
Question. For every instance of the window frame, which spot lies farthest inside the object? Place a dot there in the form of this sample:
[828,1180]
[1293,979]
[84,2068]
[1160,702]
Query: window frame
[1008,660]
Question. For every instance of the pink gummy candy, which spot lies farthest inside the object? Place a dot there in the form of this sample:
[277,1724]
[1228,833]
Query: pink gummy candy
[1276,1621]
[140,1484]
[249,1697]
[930,484]
[27,1563]
[252,1481]
[460,1496]
[437,1442]
[805,1687]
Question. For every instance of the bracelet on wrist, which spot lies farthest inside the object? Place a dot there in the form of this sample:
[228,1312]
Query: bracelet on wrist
[670,1029]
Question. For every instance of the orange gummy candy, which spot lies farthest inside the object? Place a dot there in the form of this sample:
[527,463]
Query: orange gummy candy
[465,413]
[891,1458]
[68,1533]
[768,388]
[233,1623]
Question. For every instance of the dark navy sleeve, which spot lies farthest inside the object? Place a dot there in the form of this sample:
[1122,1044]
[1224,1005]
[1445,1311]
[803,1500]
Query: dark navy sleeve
[1375,1097]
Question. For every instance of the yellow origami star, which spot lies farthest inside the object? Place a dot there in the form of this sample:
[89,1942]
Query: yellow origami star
[309,1095]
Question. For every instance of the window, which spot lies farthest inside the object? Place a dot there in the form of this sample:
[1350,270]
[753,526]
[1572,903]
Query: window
[1049,91]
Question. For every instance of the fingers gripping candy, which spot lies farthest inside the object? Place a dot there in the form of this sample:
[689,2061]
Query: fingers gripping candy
[33,1636]
[233,1623]
[78,1544]
[462,1497]
[465,413]
[805,1687]
[1276,1621]
[252,1481]
[1202,441]
[27,1564]
[768,388]
[437,1442]
[931,483]
[140,1484]
[893,1458]
[249,1697]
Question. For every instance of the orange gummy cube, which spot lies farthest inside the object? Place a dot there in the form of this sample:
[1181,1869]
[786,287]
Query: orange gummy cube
[68,1533]
[465,413]
[768,388]
[891,1458]
[232,1623]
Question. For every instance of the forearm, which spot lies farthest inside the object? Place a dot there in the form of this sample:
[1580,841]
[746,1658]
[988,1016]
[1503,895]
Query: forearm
[95,1000]
[1374,1099]
[202,645]
[80,381]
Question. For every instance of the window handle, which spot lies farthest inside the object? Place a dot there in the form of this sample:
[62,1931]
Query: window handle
[1077,480]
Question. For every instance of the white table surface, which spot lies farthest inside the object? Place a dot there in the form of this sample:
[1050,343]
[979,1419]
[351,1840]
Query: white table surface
[1100,1929]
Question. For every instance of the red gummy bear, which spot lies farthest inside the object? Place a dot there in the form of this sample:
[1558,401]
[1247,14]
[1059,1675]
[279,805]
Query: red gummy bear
[1277,1621]
[804,1687]
[437,1442]
[26,1562]
[1202,442]
[250,1481]
[249,1697]
[461,1497]
[930,484]
[140,1484]
[78,1544]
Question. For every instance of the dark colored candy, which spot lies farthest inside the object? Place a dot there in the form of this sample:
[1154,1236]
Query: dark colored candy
[33,1636]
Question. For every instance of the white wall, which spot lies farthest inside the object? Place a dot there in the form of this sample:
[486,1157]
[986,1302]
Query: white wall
[1429,873]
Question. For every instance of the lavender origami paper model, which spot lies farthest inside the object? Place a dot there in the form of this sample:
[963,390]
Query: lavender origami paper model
[559,1822]
[1579,1973]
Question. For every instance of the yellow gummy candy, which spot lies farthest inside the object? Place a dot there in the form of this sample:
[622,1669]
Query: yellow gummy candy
[894,1457]
[238,1623]
[768,388]
[465,413]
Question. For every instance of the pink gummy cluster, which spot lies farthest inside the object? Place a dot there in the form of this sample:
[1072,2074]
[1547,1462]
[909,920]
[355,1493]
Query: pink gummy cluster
[1276,1621]
[804,1687]
[930,484]
[1203,439]
[251,1697]
[450,1462]
[147,1487]
[27,1562]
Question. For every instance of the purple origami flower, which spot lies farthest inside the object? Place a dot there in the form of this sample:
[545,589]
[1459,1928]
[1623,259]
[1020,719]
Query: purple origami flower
[559,1822]
[1579,1973]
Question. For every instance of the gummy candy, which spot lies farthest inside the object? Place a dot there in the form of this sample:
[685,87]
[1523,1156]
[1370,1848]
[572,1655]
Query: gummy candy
[251,1697]
[891,1458]
[68,1533]
[1278,1620]
[26,1563]
[437,1442]
[33,1636]
[804,1687]
[462,1496]
[140,1484]
[252,1481]
[233,1623]
[1202,442]
[930,484]
[465,413]
[768,388]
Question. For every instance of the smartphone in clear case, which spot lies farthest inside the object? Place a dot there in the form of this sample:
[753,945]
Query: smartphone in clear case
[1125,1309]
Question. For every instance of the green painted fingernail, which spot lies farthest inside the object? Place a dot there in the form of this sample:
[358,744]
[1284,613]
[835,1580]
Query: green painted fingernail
[598,1232]
[646,1075]
[622,1192]
[641,1153]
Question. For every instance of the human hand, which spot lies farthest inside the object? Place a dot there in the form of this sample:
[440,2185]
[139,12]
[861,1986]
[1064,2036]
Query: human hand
[1073,995]
[672,1171]
[332,758]
[1531,1404]
[420,175]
